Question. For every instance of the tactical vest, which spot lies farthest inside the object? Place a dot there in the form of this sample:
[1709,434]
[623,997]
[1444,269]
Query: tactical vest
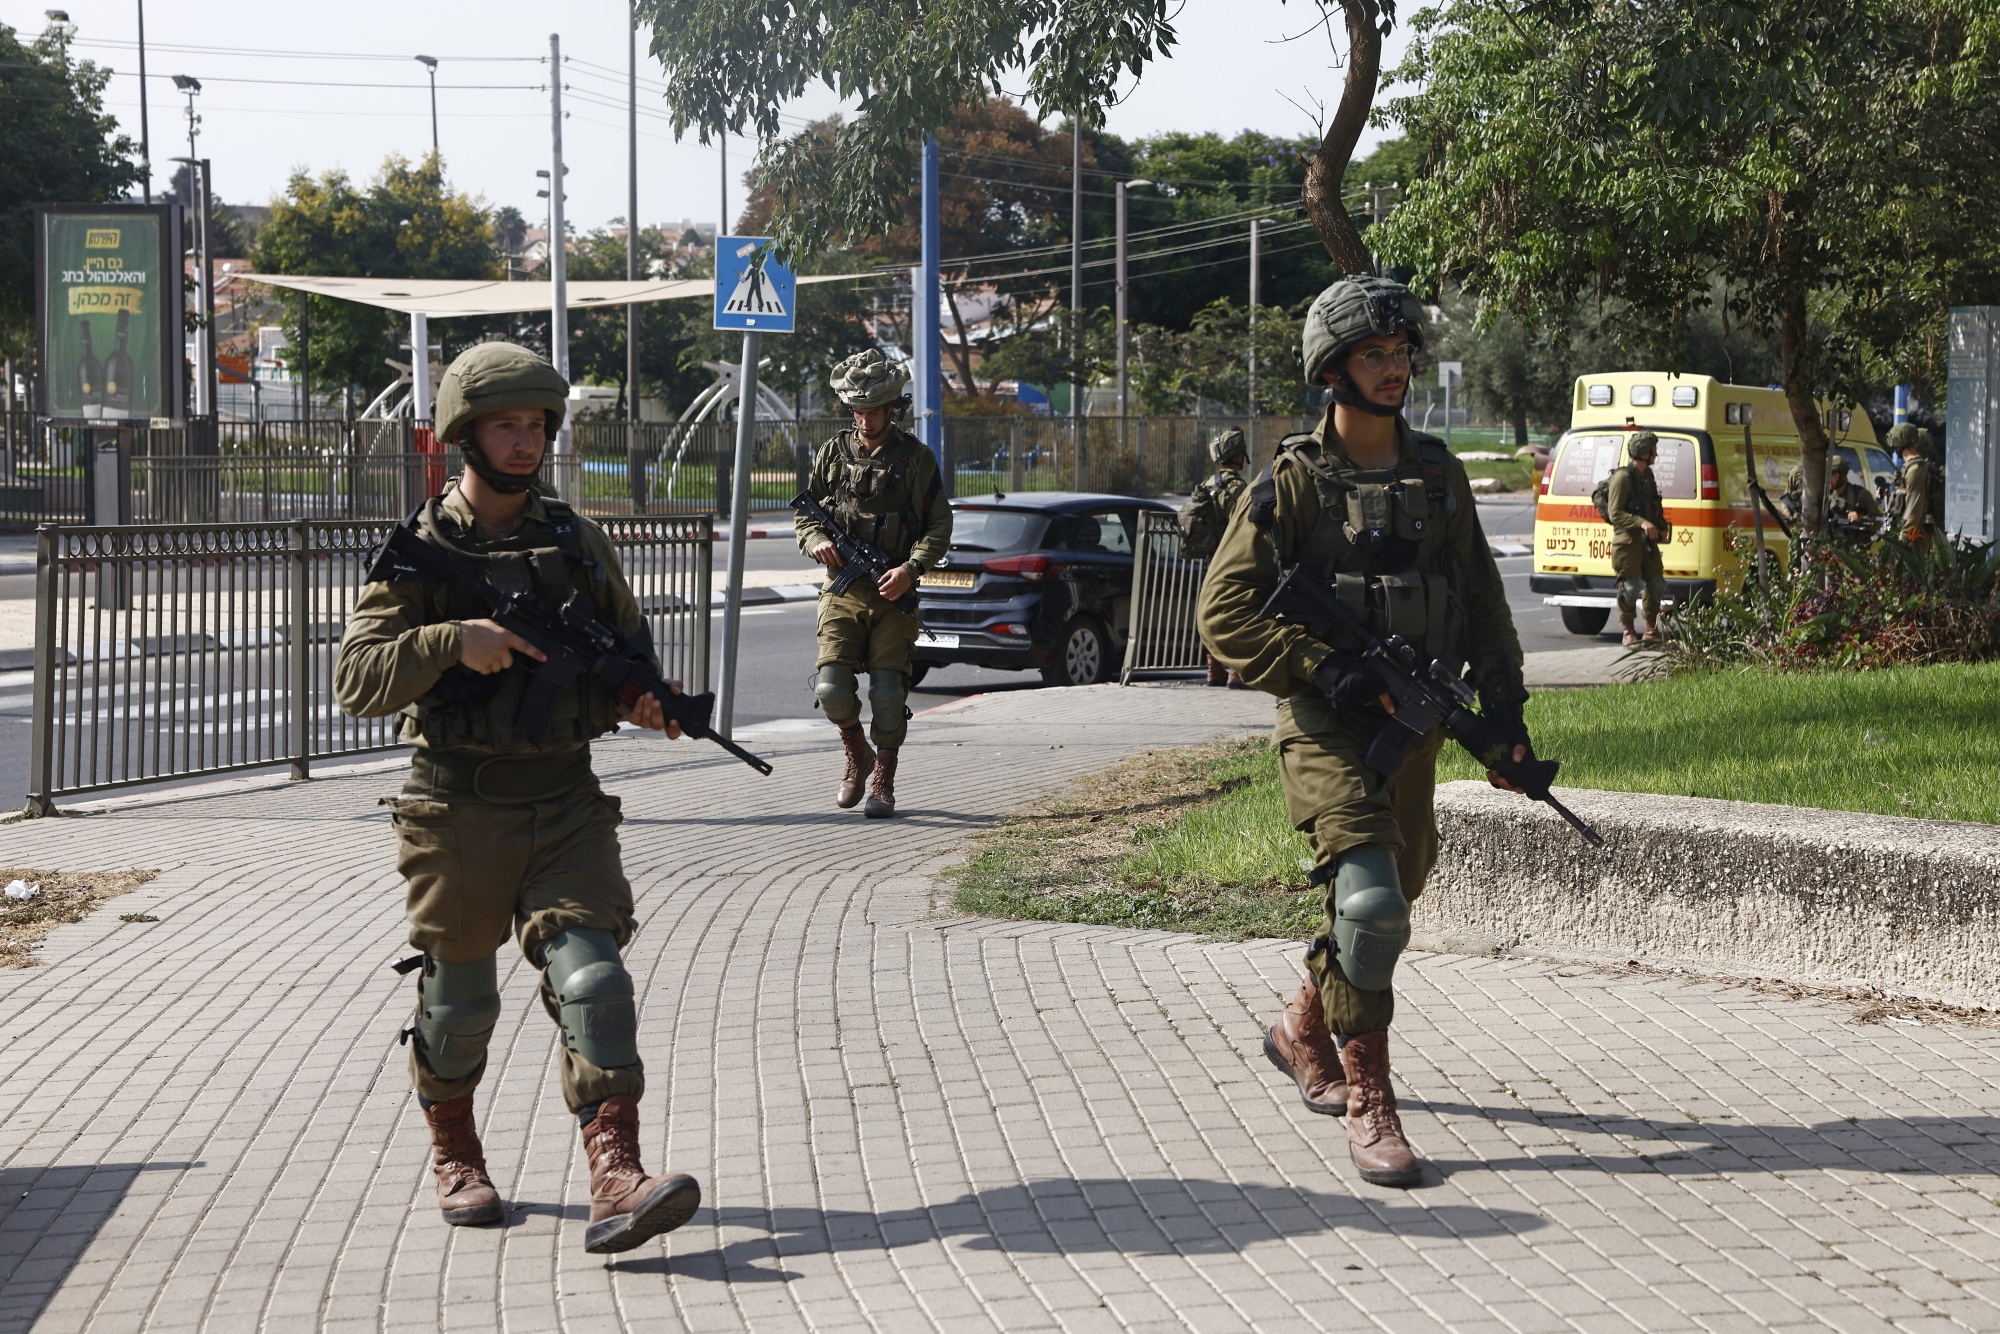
[467,710]
[873,497]
[1380,541]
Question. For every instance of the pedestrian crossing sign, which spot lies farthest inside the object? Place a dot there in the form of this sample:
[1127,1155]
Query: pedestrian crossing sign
[754,293]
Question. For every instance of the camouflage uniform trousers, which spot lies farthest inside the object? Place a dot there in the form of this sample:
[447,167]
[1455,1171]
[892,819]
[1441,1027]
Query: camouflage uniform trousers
[1339,803]
[529,846]
[862,630]
[1642,575]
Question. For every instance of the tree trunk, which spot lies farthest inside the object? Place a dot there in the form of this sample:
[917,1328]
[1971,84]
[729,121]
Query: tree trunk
[1520,428]
[961,353]
[1805,411]
[1324,205]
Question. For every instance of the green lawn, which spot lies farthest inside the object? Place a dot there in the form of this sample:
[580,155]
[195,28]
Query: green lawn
[1197,840]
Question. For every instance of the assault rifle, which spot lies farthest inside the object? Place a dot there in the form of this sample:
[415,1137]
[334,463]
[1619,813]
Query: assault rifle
[574,639]
[1424,695]
[858,559]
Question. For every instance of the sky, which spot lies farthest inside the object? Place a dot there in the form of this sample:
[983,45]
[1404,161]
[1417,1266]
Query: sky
[290,86]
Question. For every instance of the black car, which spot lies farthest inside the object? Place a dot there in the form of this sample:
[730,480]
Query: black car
[1034,581]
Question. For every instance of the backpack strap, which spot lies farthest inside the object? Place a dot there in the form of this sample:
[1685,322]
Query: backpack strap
[1433,460]
[1264,498]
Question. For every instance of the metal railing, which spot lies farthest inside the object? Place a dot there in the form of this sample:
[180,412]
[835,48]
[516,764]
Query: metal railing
[1166,596]
[209,471]
[174,651]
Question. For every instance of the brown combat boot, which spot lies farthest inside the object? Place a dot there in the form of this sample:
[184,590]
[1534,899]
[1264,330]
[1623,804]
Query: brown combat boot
[1236,682]
[1218,675]
[1300,1045]
[1374,1132]
[465,1192]
[882,787]
[860,763]
[626,1206]
[1631,635]
[1653,631]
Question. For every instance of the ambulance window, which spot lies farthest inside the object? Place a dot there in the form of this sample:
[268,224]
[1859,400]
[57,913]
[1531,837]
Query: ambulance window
[1878,463]
[1642,396]
[1586,460]
[1675,470]
[1853,459]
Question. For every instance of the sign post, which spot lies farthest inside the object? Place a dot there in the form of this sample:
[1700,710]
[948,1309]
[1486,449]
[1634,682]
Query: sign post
[1451,374]
[756,295]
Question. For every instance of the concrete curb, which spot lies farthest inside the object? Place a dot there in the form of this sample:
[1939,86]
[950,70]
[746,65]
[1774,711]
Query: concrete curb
[1831,898]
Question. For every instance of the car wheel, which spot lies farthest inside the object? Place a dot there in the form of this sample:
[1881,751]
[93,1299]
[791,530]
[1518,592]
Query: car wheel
[1585,620]
[1081,657]
[918,671]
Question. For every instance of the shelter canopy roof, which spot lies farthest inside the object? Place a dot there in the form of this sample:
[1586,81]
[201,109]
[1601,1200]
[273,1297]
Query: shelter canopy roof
[443,298]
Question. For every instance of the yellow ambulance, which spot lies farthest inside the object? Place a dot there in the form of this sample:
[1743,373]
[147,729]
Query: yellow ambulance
[1702,472]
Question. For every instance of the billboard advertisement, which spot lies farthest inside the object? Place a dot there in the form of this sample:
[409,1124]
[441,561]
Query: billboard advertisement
[108,308]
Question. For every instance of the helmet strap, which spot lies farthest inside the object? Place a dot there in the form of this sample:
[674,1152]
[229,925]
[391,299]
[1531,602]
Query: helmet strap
[1342,391]
[506,483]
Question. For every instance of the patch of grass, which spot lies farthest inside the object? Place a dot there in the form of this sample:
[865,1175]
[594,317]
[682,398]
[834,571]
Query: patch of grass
[67,896]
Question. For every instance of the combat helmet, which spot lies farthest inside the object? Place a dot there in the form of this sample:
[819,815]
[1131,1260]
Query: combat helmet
[1909,435]
[1646,444]
[1347,312]
[1227,445]
[870,380]
[494,377]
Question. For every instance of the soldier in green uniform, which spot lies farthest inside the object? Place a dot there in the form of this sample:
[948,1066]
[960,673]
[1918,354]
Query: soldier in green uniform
[501,831]
[1386,517]
[1207,516]
[881,485]
[1917,502]
[1638,527]
[1851,513]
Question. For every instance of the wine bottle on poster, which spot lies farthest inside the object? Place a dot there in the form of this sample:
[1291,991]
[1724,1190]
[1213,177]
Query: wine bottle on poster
[119,371]
[89,377]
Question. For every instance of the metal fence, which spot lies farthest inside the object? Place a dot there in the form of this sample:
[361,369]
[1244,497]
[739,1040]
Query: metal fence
[209,471]
[173,651]
[1166,594]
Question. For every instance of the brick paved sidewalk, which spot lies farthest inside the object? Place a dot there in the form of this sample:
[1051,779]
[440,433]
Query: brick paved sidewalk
[907,1121]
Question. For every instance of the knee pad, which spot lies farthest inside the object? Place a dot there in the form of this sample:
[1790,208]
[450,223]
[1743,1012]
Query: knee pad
[593,995]
[839,694]
[888,693]
[1371,918]
[457,1006]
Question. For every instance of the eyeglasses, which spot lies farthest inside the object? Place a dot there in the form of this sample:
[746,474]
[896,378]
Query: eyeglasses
[1378,358]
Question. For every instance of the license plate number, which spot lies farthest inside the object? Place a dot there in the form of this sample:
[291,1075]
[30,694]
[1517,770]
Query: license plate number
[949,579]
[928,640]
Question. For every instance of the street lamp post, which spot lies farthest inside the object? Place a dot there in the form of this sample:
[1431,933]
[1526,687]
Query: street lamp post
[430,65]
[1124,396]
[145,121]
[190,85]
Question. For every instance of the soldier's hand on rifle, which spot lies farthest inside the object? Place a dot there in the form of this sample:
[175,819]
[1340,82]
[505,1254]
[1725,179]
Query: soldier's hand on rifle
[826,553]
[488,647]
[894,584]
[1520,753]
[647,713]
[1350,682]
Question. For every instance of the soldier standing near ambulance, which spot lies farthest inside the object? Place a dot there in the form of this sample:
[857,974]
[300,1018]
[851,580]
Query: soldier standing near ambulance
[881,485]
[1385,517]
[501,831]
[1638,529]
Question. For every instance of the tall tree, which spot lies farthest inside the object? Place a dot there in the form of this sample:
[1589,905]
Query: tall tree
[57,145]
[1797,156]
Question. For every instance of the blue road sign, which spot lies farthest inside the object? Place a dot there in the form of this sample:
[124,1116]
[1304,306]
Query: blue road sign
[754,293]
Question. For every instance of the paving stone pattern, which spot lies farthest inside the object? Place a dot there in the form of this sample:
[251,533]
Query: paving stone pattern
[907,1121]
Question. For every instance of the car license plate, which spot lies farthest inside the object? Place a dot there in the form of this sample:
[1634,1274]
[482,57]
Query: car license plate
[949,579]
[929,640]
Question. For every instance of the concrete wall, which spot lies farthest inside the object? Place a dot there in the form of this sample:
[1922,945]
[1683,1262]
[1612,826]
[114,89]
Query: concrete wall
[1911,907]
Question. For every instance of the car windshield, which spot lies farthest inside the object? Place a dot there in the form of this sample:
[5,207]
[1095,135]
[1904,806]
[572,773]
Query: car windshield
[977,528]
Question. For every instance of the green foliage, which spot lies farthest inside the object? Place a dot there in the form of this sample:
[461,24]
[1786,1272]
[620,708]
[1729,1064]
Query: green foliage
[1844,606]
[57,146]
[1209,360]
[407,223]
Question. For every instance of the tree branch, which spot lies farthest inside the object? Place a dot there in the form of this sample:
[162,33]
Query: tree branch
[1323,201]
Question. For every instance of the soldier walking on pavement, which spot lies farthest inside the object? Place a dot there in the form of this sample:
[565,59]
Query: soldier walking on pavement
[1386,517]
[499,830]
[1638,527]
[1206,516]
[881,485]
[1917,504]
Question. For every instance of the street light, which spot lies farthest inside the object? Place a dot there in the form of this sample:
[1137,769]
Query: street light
[430,63]
[1124,406]
[190,85]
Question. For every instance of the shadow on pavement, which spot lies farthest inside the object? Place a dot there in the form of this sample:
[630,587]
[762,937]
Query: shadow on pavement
[48,1218]
[1919,1145]
[1065,1216]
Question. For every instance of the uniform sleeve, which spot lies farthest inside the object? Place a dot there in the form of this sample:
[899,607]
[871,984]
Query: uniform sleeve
[1860,502]
[821,486]
[391,654]
[1273,657]
[1617,504]
[615,602]
[1916,506]
[1491,644]
[932,544]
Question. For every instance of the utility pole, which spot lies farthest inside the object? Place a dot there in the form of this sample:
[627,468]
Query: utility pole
[1124,400]
[145,124]
[558,253]
[430,63]
[930,359]
[1250,436]
[1076,280]
[722,224]
[190,85]
[204,334]
[634,462]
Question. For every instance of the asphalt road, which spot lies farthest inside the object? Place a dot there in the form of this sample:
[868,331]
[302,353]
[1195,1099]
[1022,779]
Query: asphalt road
[778,648]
